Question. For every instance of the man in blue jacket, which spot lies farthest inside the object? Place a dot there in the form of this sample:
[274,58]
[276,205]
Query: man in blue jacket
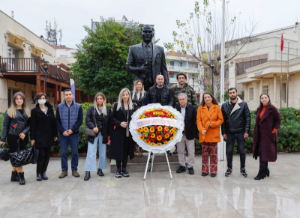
[69,117]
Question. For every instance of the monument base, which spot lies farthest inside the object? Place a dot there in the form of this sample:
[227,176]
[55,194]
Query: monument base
[138,163]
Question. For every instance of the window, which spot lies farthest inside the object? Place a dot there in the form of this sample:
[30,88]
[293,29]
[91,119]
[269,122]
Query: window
[266,89]
[179,64]
[241,67]
[251,93]
[64,56]
[172,63]
[11,93]
[33,94]
[193,65]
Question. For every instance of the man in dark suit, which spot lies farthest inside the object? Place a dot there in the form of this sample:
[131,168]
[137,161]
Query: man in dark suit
[146,60]
[190,132]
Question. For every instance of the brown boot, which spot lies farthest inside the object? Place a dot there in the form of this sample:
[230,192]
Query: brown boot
[75,173]
[63,174]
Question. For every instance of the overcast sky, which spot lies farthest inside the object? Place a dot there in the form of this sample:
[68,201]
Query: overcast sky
[72,15]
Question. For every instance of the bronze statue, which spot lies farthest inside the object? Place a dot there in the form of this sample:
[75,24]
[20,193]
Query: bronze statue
[147,60]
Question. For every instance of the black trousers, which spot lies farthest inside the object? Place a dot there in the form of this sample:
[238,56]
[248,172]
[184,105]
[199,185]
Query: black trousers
[43,160]
[125,155]
[262,165]
[239,137]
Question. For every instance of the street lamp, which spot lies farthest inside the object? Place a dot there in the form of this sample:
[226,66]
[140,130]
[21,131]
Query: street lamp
[193,83]
[46,72]
[212,65]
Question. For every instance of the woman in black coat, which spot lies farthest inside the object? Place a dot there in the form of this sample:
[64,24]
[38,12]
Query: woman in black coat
[16,126]
[97,119]
[43,133]
[122,143]
[267,123]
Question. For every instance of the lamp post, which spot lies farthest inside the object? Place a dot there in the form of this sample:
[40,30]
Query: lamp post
[212,65]
[193,83]
[46,72]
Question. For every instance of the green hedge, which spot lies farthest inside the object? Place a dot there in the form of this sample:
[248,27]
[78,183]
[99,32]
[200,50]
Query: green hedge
[288,133]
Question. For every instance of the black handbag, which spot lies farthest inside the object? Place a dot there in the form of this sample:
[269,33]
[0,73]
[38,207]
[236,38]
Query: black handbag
[35,155]
[4,154]
[21,157]
[90,132]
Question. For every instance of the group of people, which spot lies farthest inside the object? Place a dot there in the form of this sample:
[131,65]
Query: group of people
[202,120]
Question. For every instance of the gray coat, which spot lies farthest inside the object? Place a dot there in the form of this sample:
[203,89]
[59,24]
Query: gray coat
[136,60]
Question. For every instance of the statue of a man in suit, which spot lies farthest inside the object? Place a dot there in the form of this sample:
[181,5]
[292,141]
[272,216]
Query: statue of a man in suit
[146,60]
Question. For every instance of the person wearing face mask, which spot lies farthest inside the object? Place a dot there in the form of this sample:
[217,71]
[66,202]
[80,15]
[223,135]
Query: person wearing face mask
[43,133]
[236,126]
[16,126]
[267,123]
[209,120]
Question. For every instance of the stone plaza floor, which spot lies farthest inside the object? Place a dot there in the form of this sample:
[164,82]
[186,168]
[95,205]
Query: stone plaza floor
[159,196]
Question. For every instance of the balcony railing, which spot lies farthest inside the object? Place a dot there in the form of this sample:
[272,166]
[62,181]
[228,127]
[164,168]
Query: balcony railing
[182,68]
[19,64]
[32,65]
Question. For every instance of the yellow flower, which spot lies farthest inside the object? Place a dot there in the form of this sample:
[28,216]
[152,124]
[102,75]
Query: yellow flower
[159,128]
[174,134]
[159,144]
[146,129]
[142,137]
[172,138]
[160,113]
[165,142]
[142,129]
[152,129]
[147,141]
[167,136]
[152,143]
[145,112]
[139,130]
[159,138]
[144,134]
[153,136]
[143,116]
[171,131]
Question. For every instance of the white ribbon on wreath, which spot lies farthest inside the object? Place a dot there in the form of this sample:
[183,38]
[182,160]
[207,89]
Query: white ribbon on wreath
[136,123]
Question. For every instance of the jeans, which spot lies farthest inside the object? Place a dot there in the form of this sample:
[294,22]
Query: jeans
[90,162]
[64,145]
[239,137]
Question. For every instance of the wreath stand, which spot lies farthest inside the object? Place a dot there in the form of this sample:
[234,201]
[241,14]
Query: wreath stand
[152,160]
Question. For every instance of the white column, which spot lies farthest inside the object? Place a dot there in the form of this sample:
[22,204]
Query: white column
[260,87]
[275,98]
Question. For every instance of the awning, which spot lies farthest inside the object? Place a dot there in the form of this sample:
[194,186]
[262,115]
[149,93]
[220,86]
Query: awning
[29,43]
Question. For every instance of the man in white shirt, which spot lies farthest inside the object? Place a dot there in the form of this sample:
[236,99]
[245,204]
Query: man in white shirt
[190,132]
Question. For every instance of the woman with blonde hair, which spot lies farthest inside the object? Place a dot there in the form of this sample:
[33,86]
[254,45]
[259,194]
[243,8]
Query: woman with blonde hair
[97,119]
[16,126]
[139,95]
[122,144]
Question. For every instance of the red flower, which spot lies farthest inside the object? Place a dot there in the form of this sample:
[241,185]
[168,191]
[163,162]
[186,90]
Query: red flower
[153,115]
[155,127]
[168,116]
[157,132]
[15,126]
[162,116]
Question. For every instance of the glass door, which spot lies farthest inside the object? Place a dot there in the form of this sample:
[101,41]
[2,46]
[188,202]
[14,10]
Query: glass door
[13,61]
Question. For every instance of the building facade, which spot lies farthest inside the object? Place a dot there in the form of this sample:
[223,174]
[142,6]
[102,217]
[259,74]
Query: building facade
[179,63]
[23,56]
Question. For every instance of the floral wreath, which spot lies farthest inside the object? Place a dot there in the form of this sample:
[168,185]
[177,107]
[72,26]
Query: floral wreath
[156,128]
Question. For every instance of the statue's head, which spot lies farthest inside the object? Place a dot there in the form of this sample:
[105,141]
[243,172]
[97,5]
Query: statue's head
[147,33]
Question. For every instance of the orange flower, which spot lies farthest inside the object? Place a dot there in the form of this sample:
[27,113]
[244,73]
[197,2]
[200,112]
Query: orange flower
[159,128]
[144,134]
[167,136]
[147,141]
[174,134]
[146,129]
[171,131]
[165,142]
[153,136]
[172,138]
[152,143]
[152,129]
[166,129]
[138,130]
[159,138]
[142,137]
[159,144]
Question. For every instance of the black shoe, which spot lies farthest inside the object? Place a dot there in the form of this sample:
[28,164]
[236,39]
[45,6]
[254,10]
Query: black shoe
[180,169]
[204,174]
[169,152]
[261,175]
[100,173]
[228,172]
[267,172]
[213,175]
[39,177]
[87,176]
[125,173]
[243,172]
[14,177]
[21,179]
[118,174]
[44,176]
[175,152]
[191,170]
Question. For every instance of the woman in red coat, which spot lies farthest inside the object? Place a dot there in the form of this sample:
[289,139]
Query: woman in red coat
[266,125]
